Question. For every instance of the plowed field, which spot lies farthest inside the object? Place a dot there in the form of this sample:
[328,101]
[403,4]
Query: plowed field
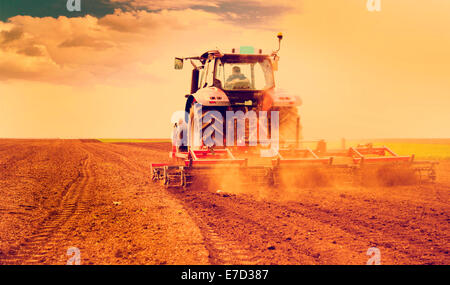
[99,198]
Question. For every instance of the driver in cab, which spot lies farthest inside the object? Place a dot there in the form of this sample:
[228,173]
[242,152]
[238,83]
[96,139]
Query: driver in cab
[235,78]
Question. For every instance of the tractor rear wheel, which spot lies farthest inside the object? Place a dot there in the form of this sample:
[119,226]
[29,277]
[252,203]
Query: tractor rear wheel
[289,124]
[195,138]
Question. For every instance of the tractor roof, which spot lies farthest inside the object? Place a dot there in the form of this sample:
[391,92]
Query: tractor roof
[244,57]
[233,57]
[230,57]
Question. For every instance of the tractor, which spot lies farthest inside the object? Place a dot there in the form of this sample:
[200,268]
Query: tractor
[237,125]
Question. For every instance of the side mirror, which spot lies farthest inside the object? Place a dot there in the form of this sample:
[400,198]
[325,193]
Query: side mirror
[178,63]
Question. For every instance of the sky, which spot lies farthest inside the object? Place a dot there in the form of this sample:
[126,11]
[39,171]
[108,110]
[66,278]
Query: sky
[107,71]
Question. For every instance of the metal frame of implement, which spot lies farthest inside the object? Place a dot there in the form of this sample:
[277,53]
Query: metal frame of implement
[179,173]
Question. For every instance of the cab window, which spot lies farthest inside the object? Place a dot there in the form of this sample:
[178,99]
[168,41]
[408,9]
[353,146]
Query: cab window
[201,78]
[209,73]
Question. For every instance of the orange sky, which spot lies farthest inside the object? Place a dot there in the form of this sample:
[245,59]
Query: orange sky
[360,74]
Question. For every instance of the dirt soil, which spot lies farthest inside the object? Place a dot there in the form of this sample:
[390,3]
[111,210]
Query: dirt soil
[99,198]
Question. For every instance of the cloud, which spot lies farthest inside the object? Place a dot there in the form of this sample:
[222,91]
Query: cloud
[133,42]
[165,4]
[9,36]
[32,50]
[88,49]
[140,21]
[250,13]
[254,12]
[20,65]
[85,41]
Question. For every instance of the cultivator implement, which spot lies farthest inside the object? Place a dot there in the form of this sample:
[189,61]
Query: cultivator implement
[292,166]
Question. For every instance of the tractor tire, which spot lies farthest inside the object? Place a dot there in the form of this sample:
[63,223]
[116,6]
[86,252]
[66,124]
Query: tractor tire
[195,140]
[289,118]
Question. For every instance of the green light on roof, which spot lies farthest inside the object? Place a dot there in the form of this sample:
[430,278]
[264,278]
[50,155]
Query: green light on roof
[247,50]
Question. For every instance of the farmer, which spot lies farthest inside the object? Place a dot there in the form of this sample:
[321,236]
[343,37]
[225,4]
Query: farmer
[236,74]
[237,80]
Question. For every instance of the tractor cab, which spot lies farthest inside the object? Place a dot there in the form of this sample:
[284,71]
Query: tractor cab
[240,76]
[231,72]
